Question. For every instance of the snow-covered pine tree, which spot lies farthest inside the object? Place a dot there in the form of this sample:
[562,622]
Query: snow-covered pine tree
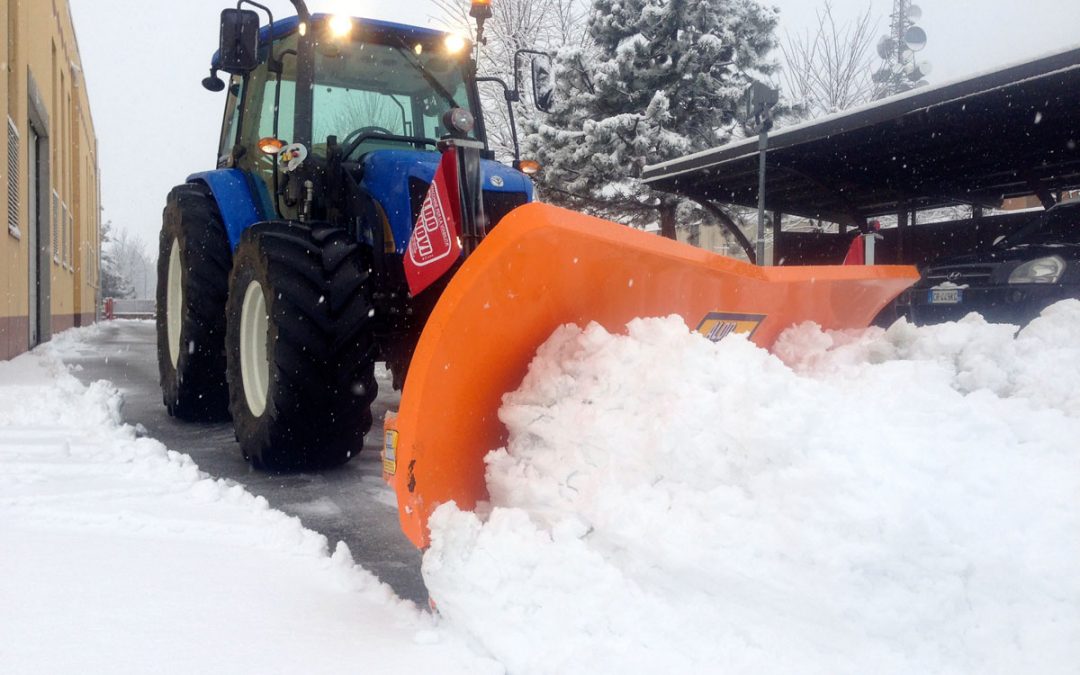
[661,78]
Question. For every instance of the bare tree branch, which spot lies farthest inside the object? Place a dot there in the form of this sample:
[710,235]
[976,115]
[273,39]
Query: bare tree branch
[544,25]
[829,69]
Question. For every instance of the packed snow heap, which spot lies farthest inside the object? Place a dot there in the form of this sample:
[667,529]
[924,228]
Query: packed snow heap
[886,501]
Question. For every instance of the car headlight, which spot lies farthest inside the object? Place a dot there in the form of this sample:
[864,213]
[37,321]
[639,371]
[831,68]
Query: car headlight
[1039,271]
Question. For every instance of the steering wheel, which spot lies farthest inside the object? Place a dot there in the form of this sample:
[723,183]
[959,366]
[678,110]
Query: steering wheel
[365,130]
[355,138]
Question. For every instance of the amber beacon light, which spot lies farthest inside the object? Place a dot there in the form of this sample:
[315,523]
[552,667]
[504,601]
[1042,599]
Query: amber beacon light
[481,9]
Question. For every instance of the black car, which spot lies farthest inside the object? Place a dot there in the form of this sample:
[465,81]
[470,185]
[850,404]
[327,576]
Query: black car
[1013,282]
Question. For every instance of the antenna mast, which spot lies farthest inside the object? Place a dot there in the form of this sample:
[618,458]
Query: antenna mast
[900,69]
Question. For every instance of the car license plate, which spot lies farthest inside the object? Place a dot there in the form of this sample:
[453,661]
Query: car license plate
[945,296]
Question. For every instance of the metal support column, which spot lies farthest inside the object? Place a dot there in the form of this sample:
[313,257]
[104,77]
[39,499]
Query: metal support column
[763,143]
[777,221]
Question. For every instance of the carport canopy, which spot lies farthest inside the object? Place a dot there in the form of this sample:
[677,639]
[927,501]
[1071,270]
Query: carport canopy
[1005,133]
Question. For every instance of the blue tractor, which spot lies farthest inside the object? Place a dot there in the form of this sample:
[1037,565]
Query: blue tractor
[280,273]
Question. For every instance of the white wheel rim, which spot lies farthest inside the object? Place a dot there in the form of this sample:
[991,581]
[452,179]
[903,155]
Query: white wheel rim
[254,365]
[174,303]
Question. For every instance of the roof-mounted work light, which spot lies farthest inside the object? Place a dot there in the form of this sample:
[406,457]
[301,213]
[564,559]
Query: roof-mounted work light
[454,43]
[341,26]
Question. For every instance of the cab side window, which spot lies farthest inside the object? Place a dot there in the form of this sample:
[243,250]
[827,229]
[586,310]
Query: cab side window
[232,119]
[261,98]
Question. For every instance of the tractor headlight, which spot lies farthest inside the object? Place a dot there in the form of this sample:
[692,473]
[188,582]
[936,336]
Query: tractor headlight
[1039,271]
[459,120]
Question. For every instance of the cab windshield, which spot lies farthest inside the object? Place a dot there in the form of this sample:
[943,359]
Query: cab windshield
[384,89]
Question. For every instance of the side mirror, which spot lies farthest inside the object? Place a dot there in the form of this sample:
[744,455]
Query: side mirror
[213,82]
[543,82]
[239,48]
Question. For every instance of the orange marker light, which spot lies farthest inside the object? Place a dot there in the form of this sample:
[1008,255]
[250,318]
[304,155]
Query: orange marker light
[271,145]
[529,167]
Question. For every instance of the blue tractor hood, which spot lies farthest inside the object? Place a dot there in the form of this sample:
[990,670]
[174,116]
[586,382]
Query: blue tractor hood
[386,175]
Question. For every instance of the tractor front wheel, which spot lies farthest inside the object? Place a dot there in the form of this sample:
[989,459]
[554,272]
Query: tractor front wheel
[300,350]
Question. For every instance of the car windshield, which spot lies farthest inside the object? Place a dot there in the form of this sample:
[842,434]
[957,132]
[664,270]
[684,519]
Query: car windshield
[1060,225]
[384,89]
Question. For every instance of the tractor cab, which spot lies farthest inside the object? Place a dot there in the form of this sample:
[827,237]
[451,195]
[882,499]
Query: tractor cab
[353,179]
[327,93]
[344,121]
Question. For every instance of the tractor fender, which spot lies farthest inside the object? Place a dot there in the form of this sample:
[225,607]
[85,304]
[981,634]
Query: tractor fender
[232,193]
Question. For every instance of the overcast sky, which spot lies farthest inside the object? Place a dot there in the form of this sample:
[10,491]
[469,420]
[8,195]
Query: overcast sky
[155,123]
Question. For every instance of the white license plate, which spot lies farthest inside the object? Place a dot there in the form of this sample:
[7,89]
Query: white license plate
[945,296]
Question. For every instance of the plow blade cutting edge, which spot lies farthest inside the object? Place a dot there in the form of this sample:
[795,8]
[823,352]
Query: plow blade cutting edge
[543,267]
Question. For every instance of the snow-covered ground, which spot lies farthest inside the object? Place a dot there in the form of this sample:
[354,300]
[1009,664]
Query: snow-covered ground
[901,501]
[119,556]
[884,501]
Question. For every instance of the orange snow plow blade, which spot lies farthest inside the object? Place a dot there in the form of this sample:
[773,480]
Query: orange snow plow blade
[543,267]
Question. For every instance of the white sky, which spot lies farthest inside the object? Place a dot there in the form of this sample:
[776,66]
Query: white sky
[144,60]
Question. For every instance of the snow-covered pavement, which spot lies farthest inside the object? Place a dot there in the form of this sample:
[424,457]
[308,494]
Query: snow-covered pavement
[119,556]
[892,501]
[351,503]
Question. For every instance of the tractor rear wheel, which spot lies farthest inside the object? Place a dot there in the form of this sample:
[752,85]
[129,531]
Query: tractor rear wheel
[192,283]
[301,354]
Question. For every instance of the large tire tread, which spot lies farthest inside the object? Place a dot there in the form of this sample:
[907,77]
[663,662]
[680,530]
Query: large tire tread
[322,351]
[195,389]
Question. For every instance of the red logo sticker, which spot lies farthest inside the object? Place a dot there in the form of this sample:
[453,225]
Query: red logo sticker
[434,246]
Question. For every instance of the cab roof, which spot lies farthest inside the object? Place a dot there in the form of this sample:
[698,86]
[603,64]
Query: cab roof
[283,27]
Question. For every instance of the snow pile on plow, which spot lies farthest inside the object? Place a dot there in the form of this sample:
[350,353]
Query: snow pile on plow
[890,501]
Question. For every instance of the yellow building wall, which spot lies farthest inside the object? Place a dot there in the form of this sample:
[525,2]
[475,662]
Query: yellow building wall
[39,44]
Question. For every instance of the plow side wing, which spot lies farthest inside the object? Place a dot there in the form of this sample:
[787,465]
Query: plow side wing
[543,267]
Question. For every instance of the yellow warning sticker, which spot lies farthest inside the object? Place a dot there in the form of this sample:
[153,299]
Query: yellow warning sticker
[718,325]
[389,458]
